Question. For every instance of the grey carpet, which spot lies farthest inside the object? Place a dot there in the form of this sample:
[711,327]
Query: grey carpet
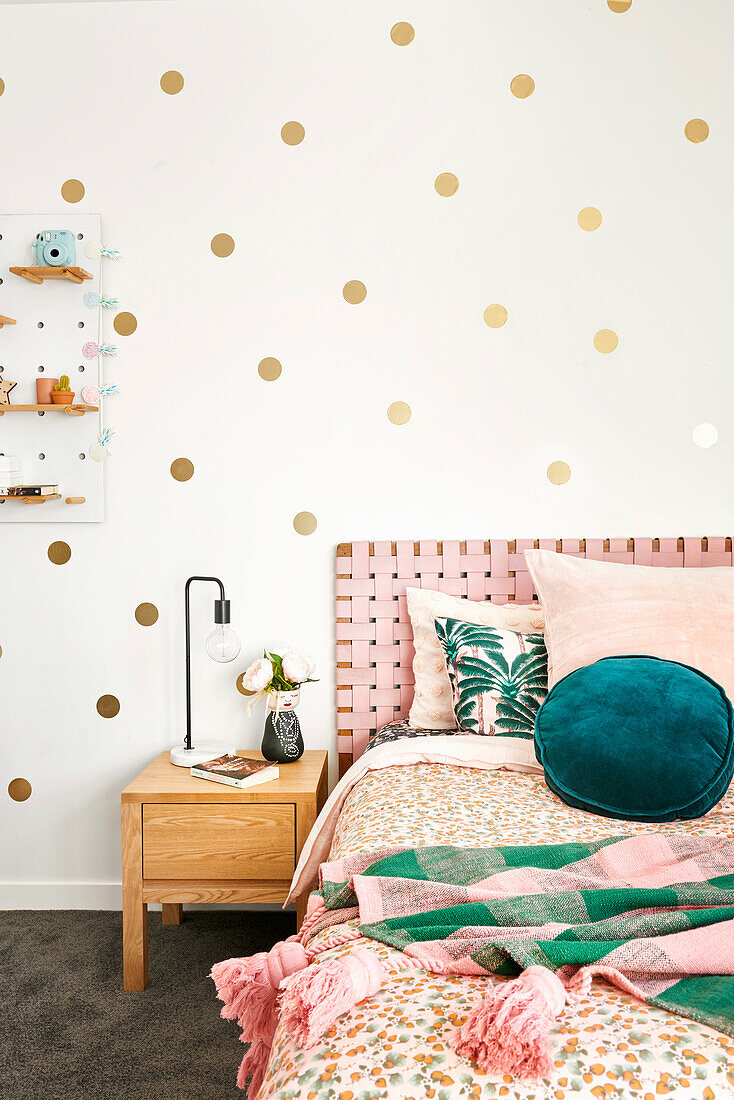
[69,1031]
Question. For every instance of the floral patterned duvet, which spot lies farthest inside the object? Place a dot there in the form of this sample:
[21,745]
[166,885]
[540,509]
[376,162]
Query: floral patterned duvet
[396,1044]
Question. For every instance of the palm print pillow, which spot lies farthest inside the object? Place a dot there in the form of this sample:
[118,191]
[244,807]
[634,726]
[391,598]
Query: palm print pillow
[498,678]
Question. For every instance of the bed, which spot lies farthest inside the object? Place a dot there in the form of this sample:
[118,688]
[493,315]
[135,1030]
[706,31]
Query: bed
[400,791]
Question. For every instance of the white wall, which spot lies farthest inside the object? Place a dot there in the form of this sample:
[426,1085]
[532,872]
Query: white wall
[491,408]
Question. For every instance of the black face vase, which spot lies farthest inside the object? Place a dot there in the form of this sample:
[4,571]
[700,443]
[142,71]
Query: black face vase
[282,741]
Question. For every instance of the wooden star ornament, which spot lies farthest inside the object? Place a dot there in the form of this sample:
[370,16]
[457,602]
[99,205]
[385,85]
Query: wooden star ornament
[5,388]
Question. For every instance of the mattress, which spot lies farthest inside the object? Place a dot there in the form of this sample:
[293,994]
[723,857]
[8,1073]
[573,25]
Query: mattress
[396,1044]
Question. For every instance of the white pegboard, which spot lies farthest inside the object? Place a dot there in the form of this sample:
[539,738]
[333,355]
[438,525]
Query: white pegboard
[52,326]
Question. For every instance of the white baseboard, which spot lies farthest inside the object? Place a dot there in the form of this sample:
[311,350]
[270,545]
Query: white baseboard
[87,895]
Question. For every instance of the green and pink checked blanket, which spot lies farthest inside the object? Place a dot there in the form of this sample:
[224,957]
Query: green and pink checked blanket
[653,914]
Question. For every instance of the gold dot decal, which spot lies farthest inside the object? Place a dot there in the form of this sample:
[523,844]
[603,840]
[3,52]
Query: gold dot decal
[589,219]
[108,706]
[125,324]
[354,292]
[72,191]
[399,412]
[605,340]
[402,34]
[292,133]
[172,82]
[19,790]
[446,184]
[269,369]
[146,614]
[1,651]
[222,245]
[243,690]
[522,85]
[495,316]
[558,473]
[304,523]
[619,6]
[2,85]
[59,553]
[182,469]
[696,130]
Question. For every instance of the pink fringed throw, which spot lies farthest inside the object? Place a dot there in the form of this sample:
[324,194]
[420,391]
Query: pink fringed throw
[508,1031]
[314,999]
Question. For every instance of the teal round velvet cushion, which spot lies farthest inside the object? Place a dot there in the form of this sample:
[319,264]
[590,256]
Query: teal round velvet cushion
[637,738]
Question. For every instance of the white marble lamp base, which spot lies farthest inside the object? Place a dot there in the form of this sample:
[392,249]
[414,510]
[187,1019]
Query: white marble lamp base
[197,754]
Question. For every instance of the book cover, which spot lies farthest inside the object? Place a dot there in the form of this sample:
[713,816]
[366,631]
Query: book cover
[237,771]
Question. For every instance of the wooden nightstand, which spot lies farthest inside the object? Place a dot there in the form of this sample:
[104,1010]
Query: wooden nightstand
[186,839]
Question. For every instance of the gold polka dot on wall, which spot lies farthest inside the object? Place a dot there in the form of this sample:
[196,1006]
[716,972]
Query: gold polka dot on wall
[243,690]
[495,316]
[399,412]
[19,790]
[522,85]
[146,614]
[292,133]
[2,85]
[125,324]
[619,6]
[72,191]
[1,651]
[172,82]
[402,34]
[108,706]
[182,469]
[605,340]
[59,553]
[589,218]
[354,292]
[222,245]
[696,130]
[304,523]
[446,184]
[558,473]
[269,369]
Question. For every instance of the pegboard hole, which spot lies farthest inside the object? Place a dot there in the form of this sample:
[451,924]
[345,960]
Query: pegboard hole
[41,414]
[80,324]
[80,236]
[40,324]
[41,370]
[2,369]
[41,455]
[82,455]
[80,368]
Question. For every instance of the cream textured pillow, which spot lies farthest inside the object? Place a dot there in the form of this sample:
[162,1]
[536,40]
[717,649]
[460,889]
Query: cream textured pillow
[596,609]
[433,705]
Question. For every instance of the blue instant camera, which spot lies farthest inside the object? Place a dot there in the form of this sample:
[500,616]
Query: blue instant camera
[55,248]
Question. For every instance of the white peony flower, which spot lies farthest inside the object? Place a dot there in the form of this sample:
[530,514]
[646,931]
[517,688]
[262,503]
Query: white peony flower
[258,675]
[297,667]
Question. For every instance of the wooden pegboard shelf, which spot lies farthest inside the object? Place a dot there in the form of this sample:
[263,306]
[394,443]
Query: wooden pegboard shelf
[38,274]
[31,499]
[70,410]
[6,320]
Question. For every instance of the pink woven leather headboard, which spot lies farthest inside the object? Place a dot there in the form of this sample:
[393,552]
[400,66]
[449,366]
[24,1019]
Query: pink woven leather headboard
[374,674]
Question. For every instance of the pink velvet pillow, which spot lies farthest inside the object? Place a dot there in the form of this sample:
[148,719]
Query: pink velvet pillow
[597,609]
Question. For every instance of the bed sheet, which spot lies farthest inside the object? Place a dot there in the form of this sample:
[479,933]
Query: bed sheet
[396,1045]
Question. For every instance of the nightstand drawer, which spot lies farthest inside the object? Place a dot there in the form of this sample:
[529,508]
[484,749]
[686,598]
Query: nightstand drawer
[226,841]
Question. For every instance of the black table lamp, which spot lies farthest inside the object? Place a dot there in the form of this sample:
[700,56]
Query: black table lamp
[222,646]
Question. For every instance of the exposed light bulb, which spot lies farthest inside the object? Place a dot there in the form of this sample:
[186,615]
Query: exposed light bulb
[222,645]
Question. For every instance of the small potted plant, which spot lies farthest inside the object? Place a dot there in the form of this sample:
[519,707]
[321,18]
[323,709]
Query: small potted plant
[44,390]
[280,678]
[62,393]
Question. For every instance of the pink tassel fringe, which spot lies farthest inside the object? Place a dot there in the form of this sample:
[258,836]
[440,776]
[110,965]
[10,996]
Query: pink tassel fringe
[249,987]
[508,1032]
[253,1067]
[315,998]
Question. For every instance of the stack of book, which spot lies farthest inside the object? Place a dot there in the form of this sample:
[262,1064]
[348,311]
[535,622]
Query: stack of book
[10,474]
[32,490]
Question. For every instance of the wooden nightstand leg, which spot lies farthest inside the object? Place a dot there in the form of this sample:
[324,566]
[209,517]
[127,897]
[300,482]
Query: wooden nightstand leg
[134,909]
[172,912]
[306,814]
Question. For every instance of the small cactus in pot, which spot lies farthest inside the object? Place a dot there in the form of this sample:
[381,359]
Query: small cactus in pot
[62,393]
